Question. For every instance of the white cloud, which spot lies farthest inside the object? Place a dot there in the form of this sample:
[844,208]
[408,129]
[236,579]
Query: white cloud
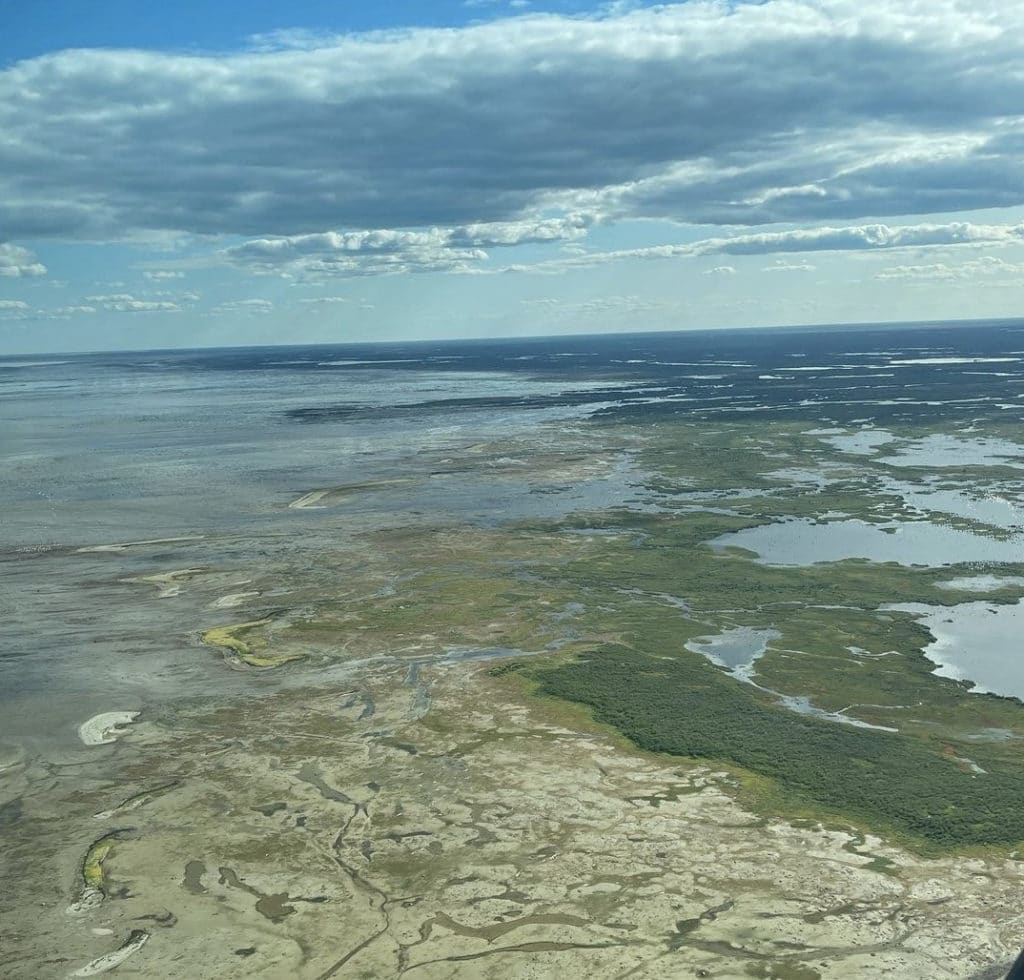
[383,251]
[703,112]
[254,307]
[852,238]
[721,270]
[17,262]
[159,274]
[144,306]
[289,39]
[789,267]
[986,265]
[859,237]
[16,309]
[614,305]
[127,303]
[63,312]
[506,233]
[177,297]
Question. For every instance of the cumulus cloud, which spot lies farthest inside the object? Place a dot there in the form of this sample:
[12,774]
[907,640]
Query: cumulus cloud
[161,274]
[721,270]
[855,238]
[13,308]
[127,303]
[177,297]
[790,267]
[528,232]
[382,251]
[64,312]
[743,113]
[859,237]
[144,306]
[17,262]
[254,307]
[356,253]
[986,265]
[595,307]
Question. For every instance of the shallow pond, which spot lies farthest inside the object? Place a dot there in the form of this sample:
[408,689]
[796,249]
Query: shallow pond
[982,583]
[945,450]
[975,641]
[806,542]
[803,706]
[736,648]
[1000,509]
[864,442]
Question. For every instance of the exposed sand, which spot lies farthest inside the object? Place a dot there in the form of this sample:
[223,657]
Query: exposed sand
[106,727]
[11,756]
[110,961]
[424,824]
[168,583]
[330,496]
[233,600]
[409,815]
[124,545]
[309,500]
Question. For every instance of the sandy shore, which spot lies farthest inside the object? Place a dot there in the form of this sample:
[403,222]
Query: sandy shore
[426,824]
[105,728]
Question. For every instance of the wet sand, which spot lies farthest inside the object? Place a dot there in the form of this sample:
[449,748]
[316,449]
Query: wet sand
[320,834]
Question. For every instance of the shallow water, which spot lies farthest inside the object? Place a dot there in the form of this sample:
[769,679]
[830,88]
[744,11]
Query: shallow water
[982,583]
[803,706]
[194,458]
[736,648]
[213,446]
[944,450]
[975,641]
[807,542]
[865,442]
[997,508]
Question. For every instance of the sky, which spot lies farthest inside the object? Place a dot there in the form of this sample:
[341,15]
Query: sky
[229,173]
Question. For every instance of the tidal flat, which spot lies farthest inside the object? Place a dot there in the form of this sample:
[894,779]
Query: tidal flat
[496,701]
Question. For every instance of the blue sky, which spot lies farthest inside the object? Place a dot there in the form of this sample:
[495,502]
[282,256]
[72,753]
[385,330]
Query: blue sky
[193,25]
[193,175]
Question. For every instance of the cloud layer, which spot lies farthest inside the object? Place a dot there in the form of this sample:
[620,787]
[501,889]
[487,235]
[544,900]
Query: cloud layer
[17,262]
[379,252]
[851,238]
[788,110]
[127,303]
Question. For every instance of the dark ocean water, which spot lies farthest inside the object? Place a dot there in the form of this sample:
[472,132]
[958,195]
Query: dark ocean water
[148,443]
[805,372]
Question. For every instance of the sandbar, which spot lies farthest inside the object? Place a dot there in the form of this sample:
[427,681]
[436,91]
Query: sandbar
[105,728]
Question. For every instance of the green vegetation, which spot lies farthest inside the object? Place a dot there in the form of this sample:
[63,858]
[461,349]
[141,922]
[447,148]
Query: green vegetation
[624,590]
[681,706]
[508,667]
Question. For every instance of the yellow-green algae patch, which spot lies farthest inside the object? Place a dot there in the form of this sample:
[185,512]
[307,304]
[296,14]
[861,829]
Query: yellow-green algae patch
[92,867]
[249,651]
